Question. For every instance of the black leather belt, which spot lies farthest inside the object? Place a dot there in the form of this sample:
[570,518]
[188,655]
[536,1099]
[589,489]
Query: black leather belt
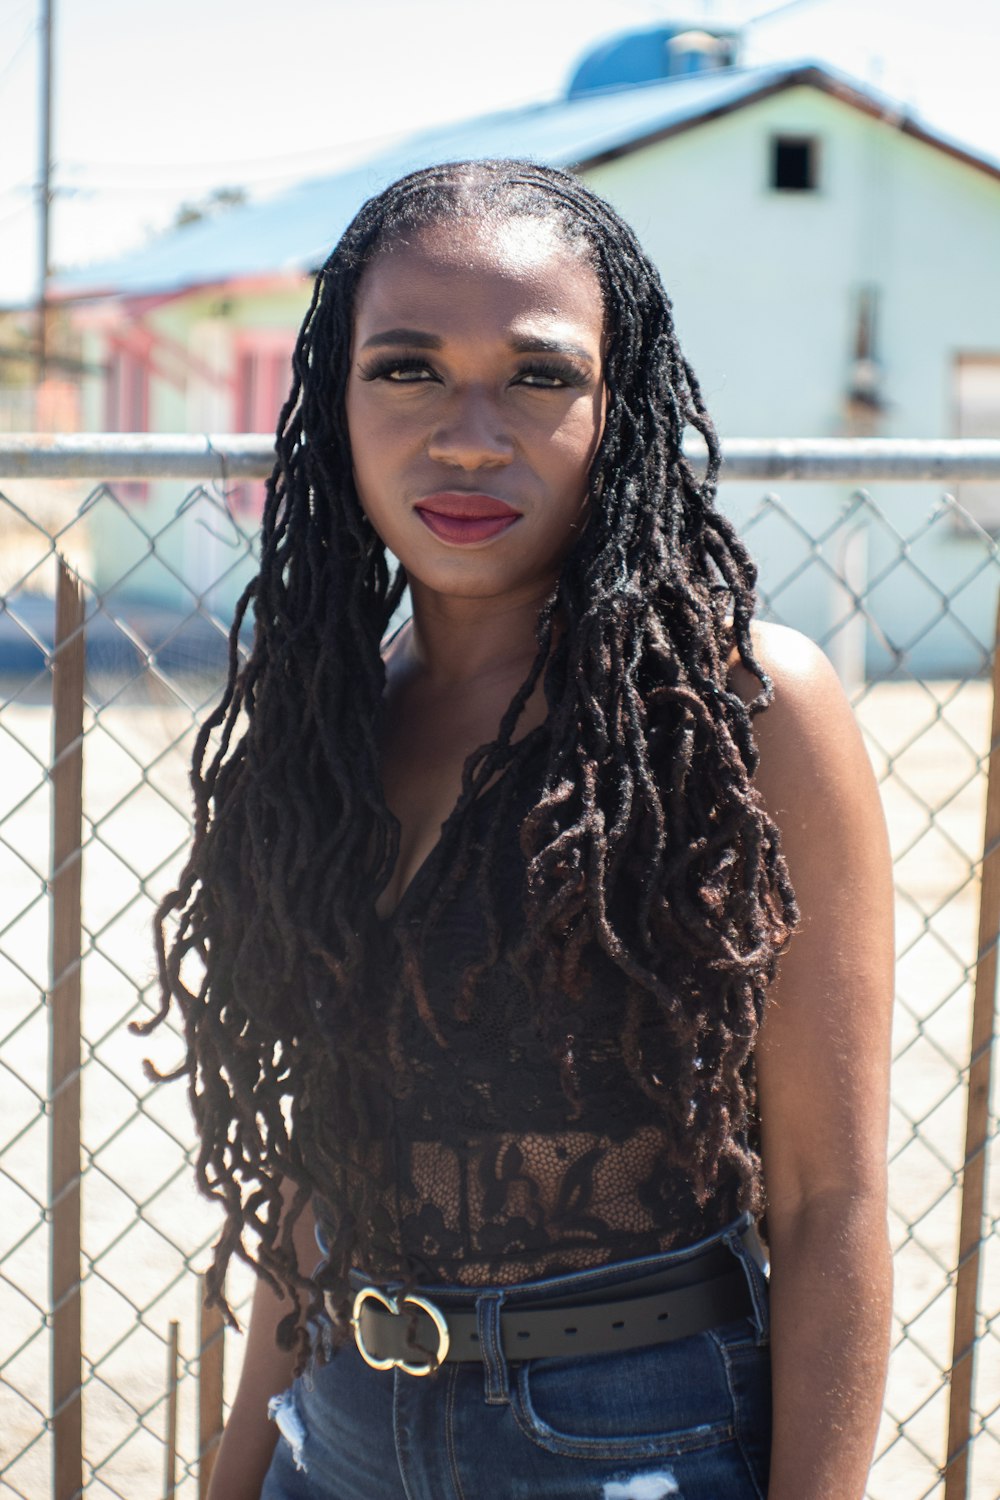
[416,1334]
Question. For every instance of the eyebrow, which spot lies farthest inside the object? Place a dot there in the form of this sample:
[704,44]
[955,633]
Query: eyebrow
[549,346]
[415,338]
[410,336]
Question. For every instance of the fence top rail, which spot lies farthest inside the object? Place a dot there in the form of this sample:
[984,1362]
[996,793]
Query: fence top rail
[249,455]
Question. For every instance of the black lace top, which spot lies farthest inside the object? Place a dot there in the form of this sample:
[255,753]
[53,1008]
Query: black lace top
[500,1174]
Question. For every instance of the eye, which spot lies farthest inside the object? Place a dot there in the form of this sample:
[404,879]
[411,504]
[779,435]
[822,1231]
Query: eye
[397,370]
[537,378]
[550,375]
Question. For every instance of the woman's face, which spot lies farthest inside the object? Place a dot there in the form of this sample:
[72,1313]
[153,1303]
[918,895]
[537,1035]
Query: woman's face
[475,403]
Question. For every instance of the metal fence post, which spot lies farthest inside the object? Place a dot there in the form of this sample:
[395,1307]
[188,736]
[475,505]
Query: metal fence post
[847,648]
[64,1034]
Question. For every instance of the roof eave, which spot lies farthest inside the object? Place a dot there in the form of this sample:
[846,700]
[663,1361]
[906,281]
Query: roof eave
[145,300]
[809,75]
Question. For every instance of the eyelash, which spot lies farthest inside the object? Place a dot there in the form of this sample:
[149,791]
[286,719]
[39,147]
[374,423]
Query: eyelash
[384,367]
[555,369]
[391,364]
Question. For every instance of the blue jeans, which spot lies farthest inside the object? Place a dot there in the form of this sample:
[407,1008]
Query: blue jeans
[691,1418]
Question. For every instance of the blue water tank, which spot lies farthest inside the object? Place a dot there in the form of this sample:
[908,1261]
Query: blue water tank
[646,56]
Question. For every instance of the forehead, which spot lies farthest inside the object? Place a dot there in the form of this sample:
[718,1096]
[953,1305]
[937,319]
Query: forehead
[496,275]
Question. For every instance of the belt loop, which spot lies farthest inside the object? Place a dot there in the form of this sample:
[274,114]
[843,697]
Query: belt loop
[497,1381]
[734,1240]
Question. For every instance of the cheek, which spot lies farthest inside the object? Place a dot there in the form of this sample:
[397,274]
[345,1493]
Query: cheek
[367,446]
[359,413]
[577,440]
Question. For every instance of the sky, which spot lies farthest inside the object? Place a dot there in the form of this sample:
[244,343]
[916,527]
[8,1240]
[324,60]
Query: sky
[157,104]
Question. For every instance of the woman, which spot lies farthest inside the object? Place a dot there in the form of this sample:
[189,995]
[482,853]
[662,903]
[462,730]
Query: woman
[478,944]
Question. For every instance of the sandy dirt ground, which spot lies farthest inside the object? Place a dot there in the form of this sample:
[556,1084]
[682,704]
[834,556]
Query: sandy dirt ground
[145,1229]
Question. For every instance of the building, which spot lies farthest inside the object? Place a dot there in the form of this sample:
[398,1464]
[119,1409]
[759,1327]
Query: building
[832,263]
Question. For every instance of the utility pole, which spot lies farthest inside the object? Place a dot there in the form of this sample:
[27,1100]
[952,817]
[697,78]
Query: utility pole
[44,192]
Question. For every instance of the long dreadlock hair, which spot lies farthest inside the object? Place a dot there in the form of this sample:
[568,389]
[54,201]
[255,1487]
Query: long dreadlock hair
[647,782]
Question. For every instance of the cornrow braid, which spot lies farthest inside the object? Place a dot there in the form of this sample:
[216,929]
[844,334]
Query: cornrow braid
[645,805]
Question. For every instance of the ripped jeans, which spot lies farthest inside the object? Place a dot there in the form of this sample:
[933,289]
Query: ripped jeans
[691,1418]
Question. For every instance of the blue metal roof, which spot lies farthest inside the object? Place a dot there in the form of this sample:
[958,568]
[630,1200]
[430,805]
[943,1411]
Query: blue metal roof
[295,230]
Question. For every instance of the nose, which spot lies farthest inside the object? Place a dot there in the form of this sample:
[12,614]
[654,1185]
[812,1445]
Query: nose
[471,433]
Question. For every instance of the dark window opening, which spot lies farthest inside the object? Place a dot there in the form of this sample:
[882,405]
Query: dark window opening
[794,162]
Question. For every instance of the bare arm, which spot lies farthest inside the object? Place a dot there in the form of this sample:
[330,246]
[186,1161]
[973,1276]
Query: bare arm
[823,1071]
[248,1441]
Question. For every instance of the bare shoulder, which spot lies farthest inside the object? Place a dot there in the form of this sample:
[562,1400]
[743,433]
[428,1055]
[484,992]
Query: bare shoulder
[798,669]
[809,741]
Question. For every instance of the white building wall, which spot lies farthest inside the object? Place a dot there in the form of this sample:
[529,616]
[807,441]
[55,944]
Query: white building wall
[766,285]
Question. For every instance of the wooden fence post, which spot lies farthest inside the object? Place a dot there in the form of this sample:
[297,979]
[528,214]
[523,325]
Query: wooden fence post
[956,1470]
[64,1035]
[170,1465]
[211,1351]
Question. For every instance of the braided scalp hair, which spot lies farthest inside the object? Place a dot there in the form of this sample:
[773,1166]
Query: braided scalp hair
[646,837]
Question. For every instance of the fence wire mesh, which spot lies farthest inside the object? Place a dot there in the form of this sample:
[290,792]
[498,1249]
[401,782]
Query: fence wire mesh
[907,586]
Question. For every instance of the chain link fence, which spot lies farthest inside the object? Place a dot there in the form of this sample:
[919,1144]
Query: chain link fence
[897,583]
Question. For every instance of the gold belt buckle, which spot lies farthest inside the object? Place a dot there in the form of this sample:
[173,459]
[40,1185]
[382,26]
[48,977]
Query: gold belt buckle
[392,1305]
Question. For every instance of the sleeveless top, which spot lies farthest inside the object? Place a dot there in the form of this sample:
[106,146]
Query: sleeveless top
[498,1173]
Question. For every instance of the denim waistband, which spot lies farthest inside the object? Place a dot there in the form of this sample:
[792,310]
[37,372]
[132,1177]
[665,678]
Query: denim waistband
[698,1261]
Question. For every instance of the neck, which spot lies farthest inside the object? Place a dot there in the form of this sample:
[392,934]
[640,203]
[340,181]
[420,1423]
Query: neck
[455,641]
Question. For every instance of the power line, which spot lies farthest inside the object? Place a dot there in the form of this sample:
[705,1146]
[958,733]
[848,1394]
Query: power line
[777,10]
[19,48]
[353,149]
[15,213]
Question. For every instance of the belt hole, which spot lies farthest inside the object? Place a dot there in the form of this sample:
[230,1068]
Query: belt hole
[569,1330]
[618,1325]
[523,1333]
[662,1317]
[474,1337]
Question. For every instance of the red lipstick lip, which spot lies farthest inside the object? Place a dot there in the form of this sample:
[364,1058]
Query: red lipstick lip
[461,519]
[459,505]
